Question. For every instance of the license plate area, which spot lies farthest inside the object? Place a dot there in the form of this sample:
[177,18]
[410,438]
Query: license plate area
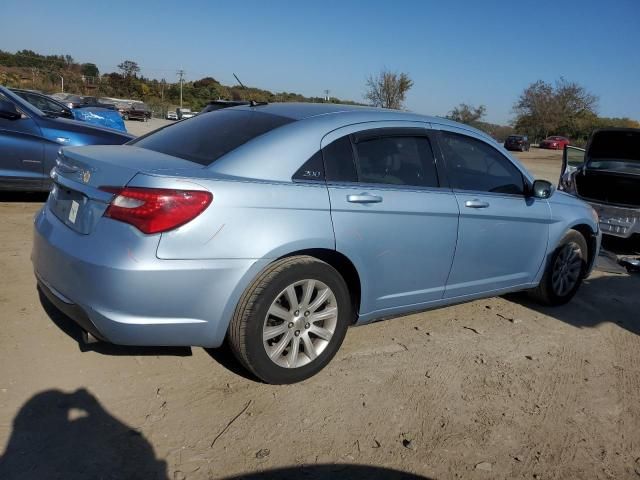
[70,207]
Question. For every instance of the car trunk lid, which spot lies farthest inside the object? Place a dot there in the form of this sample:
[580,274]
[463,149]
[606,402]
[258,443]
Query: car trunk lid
[76,197]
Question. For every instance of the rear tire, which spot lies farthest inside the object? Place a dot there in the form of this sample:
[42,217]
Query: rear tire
[291,320]
[564,272]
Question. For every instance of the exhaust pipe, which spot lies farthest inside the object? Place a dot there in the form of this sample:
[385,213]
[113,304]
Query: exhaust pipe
[88,339]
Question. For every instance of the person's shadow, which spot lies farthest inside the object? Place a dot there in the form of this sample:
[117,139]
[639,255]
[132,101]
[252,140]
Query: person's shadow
[70,436]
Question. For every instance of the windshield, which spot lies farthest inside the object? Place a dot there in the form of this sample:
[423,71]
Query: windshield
[205,138]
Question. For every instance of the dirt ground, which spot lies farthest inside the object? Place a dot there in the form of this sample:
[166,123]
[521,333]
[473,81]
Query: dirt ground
[497,388]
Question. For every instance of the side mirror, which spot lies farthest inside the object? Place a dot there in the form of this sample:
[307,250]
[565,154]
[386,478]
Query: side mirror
[542,189]
[8,110]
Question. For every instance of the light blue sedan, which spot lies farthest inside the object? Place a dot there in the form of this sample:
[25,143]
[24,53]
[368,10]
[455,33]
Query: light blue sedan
[277,226]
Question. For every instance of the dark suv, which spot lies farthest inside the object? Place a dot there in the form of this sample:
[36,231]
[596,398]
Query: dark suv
[517,142]
[137,111]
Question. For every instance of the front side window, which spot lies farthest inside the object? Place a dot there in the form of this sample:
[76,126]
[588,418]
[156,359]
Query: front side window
[475,165]
[397,160]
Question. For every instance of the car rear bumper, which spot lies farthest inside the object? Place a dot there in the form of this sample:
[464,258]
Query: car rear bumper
[120,294]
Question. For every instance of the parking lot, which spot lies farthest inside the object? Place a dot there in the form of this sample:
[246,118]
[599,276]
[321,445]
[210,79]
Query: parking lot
[496,388]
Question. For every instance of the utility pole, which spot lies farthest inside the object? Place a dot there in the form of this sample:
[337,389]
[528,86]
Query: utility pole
[62,86]
[181,75]
[164,110]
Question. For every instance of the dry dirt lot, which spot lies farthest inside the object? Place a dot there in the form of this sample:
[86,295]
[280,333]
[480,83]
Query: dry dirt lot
[497,388]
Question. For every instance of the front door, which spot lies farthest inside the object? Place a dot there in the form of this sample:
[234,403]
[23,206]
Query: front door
[21,153]
[503,232]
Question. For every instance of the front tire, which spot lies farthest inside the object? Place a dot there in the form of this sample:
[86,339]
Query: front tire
[291,320]
[565,271]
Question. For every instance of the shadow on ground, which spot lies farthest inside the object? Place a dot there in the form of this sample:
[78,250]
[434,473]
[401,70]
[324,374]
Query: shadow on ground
[225,357]
[612,299]
[71,436]
[338,472]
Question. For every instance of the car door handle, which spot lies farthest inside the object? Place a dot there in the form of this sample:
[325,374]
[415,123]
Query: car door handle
[364,198]
[476,204]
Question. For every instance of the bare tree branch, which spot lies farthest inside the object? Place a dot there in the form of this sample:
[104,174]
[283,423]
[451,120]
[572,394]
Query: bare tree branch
[388,89]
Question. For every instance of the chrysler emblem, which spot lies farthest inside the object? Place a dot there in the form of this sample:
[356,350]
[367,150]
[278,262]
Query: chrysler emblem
[86,176]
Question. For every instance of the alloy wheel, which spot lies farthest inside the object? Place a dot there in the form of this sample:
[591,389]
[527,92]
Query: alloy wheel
[567,269]
[300,323]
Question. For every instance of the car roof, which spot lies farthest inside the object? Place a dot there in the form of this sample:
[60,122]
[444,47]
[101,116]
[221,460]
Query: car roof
[310,124]
[304,111]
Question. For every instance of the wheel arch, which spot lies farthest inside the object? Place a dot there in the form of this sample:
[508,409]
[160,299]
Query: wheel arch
[591,238]
[344,267]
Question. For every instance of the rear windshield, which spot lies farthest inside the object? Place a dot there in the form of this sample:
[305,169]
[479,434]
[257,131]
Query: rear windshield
[205,138]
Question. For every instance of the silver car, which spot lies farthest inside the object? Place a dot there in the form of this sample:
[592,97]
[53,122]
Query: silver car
[277,226]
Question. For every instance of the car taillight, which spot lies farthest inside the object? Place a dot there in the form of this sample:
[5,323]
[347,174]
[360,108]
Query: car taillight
[156,210]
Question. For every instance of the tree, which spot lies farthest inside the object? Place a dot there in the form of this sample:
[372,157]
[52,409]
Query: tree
[468,114]
[129,68]
[89,70]
[388,89]
[562,109]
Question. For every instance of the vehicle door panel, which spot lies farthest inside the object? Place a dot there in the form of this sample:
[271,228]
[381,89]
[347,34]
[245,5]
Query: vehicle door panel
[400,238]
[21,154]
[502,233]
[499,246]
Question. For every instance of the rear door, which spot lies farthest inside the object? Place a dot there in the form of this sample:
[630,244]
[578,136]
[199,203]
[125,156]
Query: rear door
[503,232]
[21,153]
[393,215]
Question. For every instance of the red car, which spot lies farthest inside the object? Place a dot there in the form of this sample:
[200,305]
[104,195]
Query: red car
[554,143]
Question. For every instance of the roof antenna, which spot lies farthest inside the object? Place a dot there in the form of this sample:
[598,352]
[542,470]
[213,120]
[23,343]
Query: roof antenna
[252,103]
[241,84]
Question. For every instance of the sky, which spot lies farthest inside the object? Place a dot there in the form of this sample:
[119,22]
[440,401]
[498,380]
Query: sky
[473,51]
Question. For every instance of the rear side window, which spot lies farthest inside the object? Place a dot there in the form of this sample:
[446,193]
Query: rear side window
[338,160]
[205,138]
[474,165]
[312,170]
[397,160]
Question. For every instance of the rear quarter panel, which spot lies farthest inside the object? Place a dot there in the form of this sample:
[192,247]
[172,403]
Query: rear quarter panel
[248,219]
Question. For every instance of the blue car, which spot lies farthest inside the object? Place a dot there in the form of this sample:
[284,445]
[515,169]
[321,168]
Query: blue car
[31,138]
[275,227]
